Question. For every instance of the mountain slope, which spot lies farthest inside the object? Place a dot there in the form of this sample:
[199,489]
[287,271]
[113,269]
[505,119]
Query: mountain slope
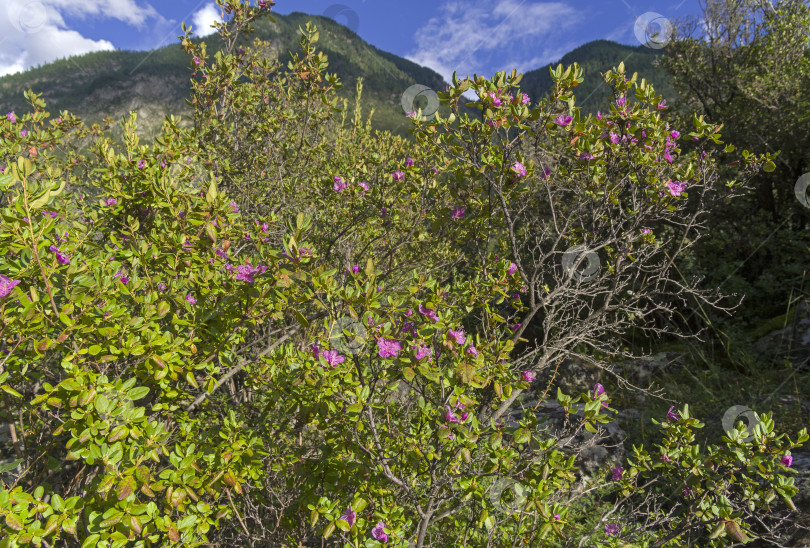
[598,57]
[156,83]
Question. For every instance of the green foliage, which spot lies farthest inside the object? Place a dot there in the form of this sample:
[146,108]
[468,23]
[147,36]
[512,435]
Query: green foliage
[362,334]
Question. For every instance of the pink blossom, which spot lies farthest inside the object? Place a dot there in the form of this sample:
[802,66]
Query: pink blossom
[11,118]
[450,416]
[525,99]
[645,230]
[676,187]
[409,161]
[563,120]
[398,175]
[519,168]
[614,138]
[332,357]
[191,299]
[423,352]
[458,212]
[428,312]
[363,185]
[110,201]
[378,532]
[546,173]
[512,268]
[557,517]
[672,414]
[611,529]
[348,516]
[388,348]
[617,473]
[473,351]
[621,102]
[6,285]
[662,104]
[529,376]
[458,335]
[786,460]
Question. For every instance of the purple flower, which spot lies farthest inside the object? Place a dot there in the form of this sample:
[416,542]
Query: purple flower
[687,491]
[519,168]
[11,118]
[450,416]
[458,212]
[675,134]
[234,206]
[546,173]
[525,99]
[422,351]
[354,269]
[197,61]
[141,164]
[557,517]
[363,185]
[410,114]
[429,313]
[332,357]
[672,414]
[6,285]
[563,120]
[398,175]
[645,230]
[23,133]
[598,390]
[611,529]
[472,350]
[617,473]
[388,348]
[59,256]
[348,516]
[378,533]
[614,138]
[161,286]
[787,460]
[621,102]
[676,187]
[662,104]
[598,114]
[245,272]
[668,157]
[458,335]
[110,201]
[408,161]
[339,184]
[666,458]
[512,268]
[221,254]
[528,376]
[191,299]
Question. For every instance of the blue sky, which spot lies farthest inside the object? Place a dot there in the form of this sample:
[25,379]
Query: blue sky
[470,36]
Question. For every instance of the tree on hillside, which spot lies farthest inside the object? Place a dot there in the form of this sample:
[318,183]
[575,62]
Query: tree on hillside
[746,65]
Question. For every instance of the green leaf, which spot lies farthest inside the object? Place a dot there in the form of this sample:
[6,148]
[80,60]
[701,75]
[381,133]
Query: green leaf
[300,318]
[211,196]
[125,488]
[14,522]
[522,435]
[137,393]
[769,166]
[91,541]
[6,388]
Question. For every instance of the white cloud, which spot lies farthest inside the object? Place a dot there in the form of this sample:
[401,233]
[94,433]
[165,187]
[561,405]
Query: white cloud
[35,32]
[202,20]
[474,36]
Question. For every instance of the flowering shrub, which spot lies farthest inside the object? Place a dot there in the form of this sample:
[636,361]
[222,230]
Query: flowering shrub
[194,355]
